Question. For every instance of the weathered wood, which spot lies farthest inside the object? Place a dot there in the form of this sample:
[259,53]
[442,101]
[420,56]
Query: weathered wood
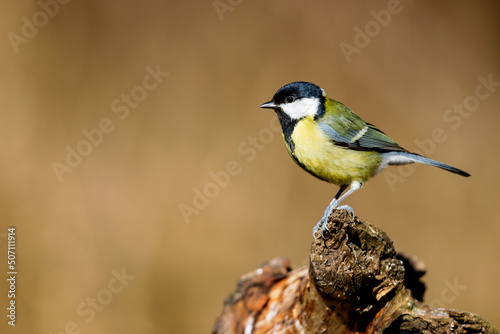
[355,283]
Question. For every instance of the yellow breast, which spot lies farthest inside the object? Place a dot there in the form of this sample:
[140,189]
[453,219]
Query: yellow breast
[317,154]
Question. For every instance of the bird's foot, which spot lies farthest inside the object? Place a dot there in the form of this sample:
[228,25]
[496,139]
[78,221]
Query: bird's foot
[346,208]
[323,222]
[320,225]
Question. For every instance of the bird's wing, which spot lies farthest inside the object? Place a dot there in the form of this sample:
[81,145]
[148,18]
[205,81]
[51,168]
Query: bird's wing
[346,129]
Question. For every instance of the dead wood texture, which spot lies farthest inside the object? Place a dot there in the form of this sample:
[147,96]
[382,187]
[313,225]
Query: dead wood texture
[355,283]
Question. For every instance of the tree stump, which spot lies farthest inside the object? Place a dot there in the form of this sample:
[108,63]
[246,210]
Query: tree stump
[355,283]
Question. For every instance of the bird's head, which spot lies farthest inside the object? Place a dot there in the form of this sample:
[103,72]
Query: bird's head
[297,100]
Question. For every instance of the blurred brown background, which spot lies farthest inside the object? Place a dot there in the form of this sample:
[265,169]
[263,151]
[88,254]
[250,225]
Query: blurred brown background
[119,210]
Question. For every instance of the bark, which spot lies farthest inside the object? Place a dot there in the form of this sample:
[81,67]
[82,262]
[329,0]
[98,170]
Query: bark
[355,283]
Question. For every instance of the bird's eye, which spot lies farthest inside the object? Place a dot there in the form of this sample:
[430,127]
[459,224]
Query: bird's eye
[290,99]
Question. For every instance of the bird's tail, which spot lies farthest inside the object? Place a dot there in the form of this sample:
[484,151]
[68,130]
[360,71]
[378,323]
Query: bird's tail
[418,158]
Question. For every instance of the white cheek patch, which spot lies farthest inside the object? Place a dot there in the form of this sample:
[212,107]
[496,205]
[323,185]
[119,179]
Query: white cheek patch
[301,107]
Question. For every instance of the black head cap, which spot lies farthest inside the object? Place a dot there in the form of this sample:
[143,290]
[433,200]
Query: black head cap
[294,91]
[297,90]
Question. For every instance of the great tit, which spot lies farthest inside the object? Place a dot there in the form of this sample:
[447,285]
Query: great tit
[331,142]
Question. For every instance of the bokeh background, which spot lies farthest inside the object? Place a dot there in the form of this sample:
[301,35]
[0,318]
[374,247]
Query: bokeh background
[119,209]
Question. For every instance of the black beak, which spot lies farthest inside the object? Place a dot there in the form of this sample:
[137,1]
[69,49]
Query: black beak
[269,105]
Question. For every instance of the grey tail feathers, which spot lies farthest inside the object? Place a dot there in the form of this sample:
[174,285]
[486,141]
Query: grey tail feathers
[418,158]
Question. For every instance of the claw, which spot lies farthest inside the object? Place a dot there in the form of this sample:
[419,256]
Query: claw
[355,185]
[323,228]
[316,228]
[346,208]
[322,224]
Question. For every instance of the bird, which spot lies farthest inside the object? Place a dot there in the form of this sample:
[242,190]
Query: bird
[328,140]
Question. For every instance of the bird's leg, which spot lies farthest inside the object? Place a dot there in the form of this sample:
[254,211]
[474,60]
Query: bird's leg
[334,204]
[322,221]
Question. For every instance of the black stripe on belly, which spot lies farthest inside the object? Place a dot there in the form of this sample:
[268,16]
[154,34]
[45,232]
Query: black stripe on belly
[287,126]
